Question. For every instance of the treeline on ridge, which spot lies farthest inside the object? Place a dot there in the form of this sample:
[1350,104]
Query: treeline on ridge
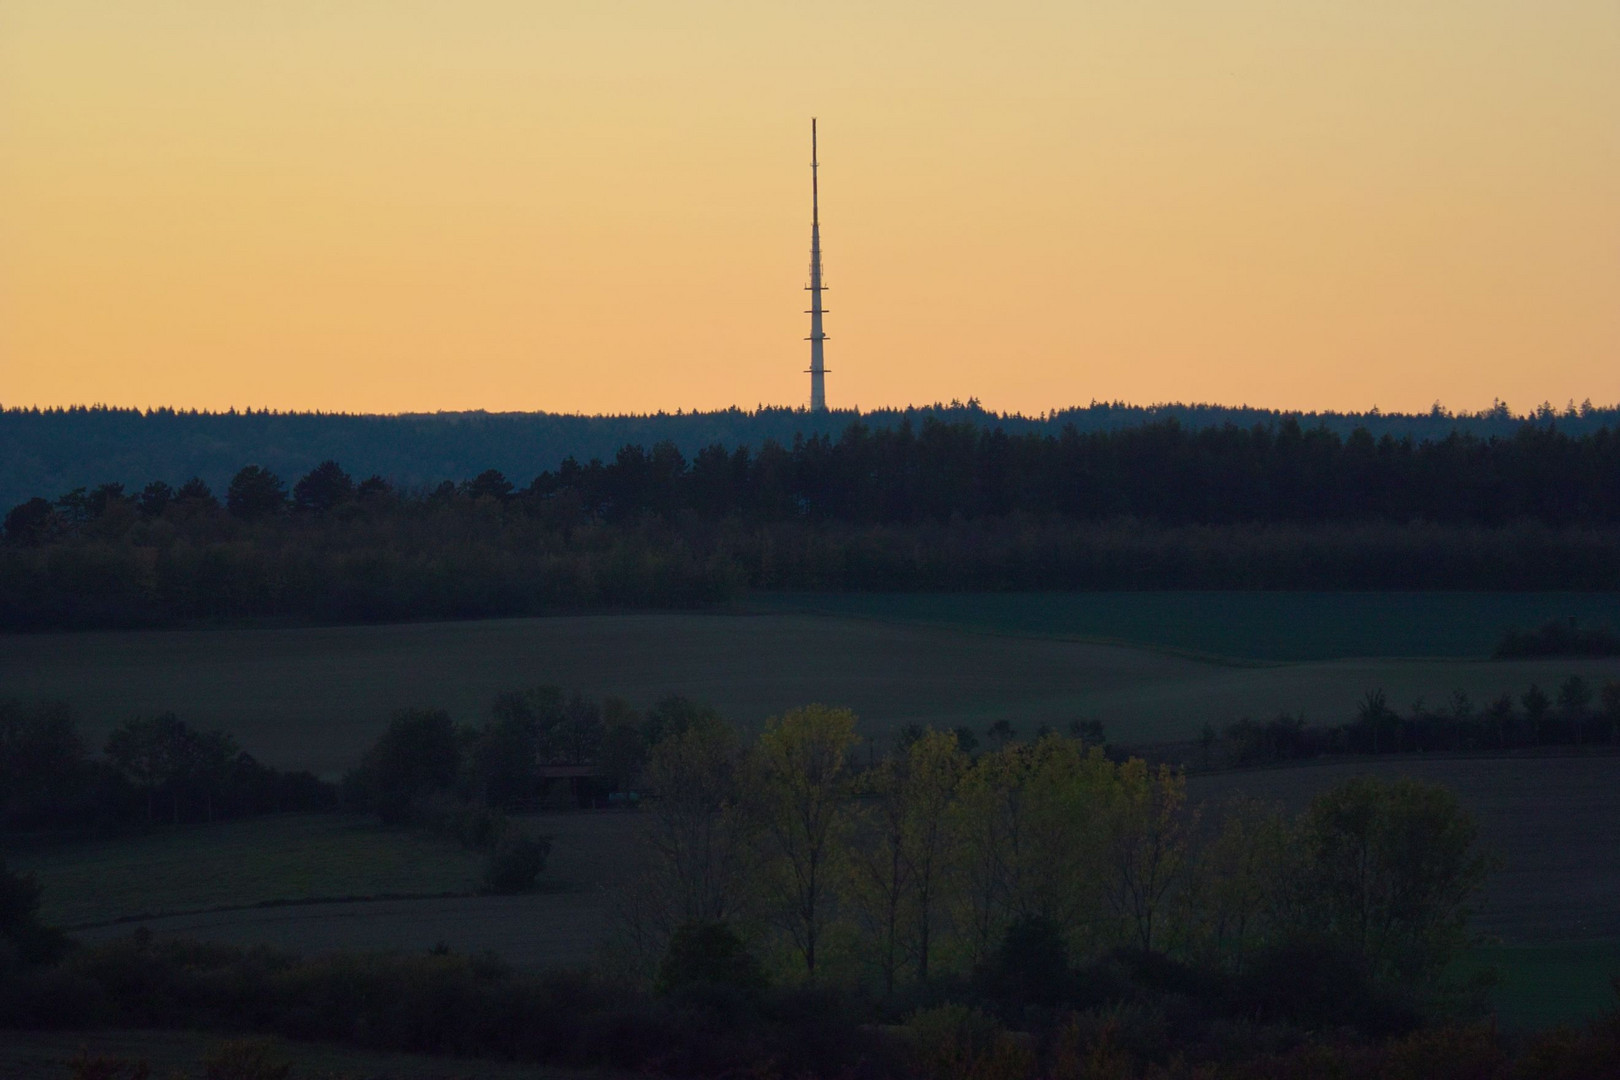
[1533,719]
[58,449]
[945,506]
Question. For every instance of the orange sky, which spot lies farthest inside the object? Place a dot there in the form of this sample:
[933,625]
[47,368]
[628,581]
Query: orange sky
[603,206]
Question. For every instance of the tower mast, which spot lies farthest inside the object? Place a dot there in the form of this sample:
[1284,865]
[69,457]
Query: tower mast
[818,370]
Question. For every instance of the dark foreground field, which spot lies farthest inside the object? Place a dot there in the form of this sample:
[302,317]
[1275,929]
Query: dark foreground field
[34,1055]
[314,698]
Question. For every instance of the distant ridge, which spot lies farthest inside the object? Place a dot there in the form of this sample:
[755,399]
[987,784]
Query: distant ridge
[50,451]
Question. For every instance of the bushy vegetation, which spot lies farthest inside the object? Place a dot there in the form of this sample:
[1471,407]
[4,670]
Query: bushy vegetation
[537,748]
[541,747]
[950,506]
[430,1004]
[1038,908]
[515,861]
[1575,714]
[24,941]
[154,768]
[1380,871]
[1009,871]
[1560,638]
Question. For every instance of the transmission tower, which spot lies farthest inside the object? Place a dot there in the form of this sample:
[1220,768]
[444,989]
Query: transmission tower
[818,369]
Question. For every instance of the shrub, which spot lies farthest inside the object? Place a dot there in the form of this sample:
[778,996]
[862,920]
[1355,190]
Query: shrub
[85,1067]
[1031,967]
[515,862]
[1556,638]
[440,1004]
[1446,1053]
[245,1059]
[954,1042]
[708,954]
[24,940]
[1317,983]
[52,999]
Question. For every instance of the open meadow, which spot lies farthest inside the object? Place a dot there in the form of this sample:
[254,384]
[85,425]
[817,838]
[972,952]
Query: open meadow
[316,883]
[1277,626]
[315,697]
[279,859]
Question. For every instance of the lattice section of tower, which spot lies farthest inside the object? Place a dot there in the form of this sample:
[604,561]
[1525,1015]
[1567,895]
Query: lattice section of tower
[818,365]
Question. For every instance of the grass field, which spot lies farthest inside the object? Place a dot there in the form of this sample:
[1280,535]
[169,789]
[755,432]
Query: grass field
[252,883]
[1539,986]
[290,857]
[316,697]
[1252,625]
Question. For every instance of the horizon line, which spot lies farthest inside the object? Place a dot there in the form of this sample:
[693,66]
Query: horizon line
[1498,410]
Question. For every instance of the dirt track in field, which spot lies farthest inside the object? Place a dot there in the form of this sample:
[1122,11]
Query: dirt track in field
[541,930]
[559,926]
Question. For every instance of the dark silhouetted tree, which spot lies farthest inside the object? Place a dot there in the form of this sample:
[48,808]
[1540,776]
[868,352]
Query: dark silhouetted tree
[32,522]
[500,758]
[417,756]
[1462,711]
[372,488]
[488,484]
[1374,714]
[255,493]
[1500,713]
[195,493]
[1389,870]
[1610,698]
[326,486]
[1537,706]
[24,940]
[44,766]
[146,751]
[1031,966]
[708,954]
[1574,699]
[155,498]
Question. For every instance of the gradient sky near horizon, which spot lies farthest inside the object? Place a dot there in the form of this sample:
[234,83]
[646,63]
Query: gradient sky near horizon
[402,205]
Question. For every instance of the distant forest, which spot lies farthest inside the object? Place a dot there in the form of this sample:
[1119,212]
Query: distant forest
[45,451]
[936,505]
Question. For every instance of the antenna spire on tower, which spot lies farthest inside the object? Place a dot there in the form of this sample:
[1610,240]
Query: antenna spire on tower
[818,369]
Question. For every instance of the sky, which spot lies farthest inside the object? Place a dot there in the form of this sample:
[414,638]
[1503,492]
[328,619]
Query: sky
[603,206]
